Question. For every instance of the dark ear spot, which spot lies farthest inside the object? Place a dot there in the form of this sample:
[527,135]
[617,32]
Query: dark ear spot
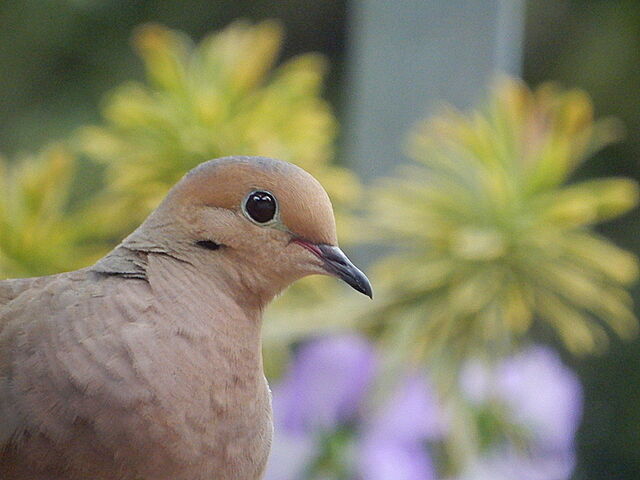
[208,244]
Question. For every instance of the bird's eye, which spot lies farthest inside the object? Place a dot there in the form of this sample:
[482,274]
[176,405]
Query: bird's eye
[261,206]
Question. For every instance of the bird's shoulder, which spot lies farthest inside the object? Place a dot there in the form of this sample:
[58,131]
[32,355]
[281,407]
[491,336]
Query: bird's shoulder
[124,262]
[111,276]
[12,288]
[42,295]
[59,334]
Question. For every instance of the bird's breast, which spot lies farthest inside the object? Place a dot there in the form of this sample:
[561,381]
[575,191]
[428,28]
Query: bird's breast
[210,398]
[162,387]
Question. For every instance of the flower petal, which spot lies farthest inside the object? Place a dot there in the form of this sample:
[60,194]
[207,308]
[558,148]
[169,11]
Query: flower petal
[326,384]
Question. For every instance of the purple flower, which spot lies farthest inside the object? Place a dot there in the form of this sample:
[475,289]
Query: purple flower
[393,445]
[290,455]
[326,384]
[411,415]
[325,387]
[507,463]
[379,460]
[541,396]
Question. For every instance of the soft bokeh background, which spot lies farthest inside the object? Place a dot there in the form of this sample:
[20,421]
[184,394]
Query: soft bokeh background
[61,116]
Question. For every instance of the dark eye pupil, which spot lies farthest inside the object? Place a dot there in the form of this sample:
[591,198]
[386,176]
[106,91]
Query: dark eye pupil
[261,206]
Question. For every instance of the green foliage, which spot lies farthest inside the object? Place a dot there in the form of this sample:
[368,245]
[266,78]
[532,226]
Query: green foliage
[39,234]
[220,97]
[490,237]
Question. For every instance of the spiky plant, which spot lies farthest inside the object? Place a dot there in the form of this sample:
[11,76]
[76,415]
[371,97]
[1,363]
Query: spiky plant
[492,237]
[39,233]
[222,96]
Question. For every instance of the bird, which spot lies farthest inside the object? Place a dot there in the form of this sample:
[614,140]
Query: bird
[147,365]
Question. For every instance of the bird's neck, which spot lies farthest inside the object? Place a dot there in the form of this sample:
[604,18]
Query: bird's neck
[227,270]
[212,319]
[205,279]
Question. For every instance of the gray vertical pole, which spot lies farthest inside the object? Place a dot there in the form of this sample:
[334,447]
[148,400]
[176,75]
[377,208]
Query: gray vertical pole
[409,56]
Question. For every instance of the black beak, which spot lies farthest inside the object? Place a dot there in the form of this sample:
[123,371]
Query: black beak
[337,263]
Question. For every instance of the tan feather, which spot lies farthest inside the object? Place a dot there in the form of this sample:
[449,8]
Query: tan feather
[148,364]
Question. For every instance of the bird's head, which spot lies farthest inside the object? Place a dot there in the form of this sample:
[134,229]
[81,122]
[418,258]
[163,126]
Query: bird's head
[265,218]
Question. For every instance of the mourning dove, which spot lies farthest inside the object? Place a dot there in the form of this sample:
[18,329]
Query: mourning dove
[148,365]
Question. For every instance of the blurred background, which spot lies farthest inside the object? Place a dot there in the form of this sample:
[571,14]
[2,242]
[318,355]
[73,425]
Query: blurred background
[90,100]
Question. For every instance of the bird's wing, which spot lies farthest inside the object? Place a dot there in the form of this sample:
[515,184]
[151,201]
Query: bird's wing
[31,312]
[61,359]
[21,300]
[48,331]
[12,288]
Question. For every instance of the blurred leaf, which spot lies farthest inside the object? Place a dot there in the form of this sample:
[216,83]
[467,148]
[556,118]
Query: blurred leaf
[492,238]
[220,97]
[38,235]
